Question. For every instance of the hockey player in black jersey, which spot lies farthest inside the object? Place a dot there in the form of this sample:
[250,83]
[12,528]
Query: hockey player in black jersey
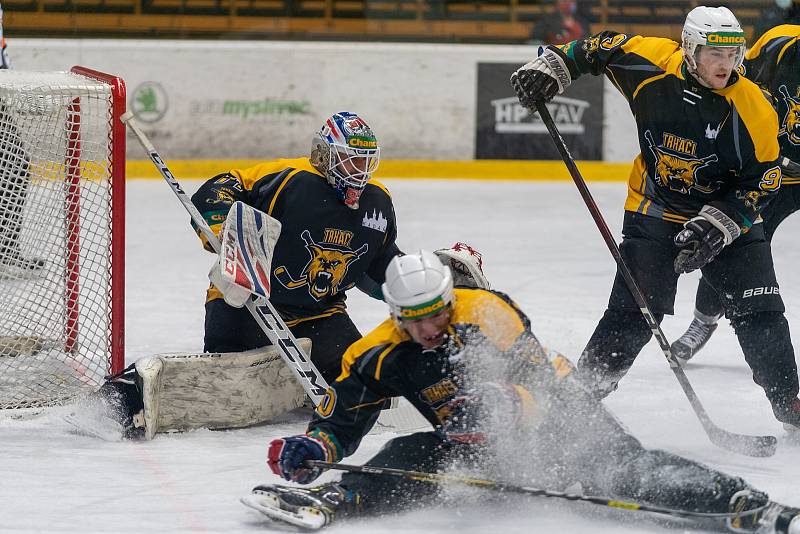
[338,230]
[773,62]
[709,163]
[467,359]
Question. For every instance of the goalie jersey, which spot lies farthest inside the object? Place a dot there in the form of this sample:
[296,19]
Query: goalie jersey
[774,63]
[698,145]
[324,249]
[489,341]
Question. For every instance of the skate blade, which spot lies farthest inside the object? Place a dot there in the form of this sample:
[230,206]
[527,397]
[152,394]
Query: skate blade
[268,504]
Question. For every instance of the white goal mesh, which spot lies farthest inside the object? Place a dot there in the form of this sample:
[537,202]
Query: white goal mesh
[62,178]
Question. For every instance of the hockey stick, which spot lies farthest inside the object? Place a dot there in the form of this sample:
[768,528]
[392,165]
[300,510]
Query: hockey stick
[758,446]
[441,478]
[265,315]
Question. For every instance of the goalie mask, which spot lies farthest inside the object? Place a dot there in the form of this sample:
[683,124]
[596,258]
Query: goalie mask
[711,26]
[417,286]
[346,152]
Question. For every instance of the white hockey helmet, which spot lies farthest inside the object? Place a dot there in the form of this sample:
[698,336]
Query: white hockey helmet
[417,286]
[711,26]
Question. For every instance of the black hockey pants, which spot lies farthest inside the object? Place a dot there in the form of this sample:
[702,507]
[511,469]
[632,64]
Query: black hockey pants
[229,329]
[743,271]
[787,202]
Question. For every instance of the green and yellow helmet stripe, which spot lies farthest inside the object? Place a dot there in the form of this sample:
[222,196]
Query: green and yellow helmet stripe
[420,311]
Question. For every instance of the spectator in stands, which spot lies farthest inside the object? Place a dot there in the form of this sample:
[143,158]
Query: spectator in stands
[783,12]
[562,26]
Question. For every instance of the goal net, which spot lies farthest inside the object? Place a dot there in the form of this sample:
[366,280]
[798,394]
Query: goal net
[62,193]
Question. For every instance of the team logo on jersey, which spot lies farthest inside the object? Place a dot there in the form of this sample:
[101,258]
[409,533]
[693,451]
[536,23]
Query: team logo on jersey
[751,198]
[377,221]
[591,45]
[676,171]
[327,268]
[443,389]
[791,122]
[711,133]
[223,195]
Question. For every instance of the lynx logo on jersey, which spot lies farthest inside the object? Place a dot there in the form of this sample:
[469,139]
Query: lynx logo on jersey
[676,172]
[751,198]
[791,122]
[324,272]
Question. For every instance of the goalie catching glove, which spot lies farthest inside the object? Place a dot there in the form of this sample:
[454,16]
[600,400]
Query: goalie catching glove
[542,78]
[466,265]
[703,237]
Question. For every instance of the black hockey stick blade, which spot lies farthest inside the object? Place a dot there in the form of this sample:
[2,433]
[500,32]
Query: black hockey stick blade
[757,446]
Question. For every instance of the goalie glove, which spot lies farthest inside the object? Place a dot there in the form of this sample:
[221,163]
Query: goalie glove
[542,78]
[247,239]
[703,237]
[466,265]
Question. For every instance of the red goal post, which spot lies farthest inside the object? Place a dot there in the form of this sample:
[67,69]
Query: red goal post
[62,234]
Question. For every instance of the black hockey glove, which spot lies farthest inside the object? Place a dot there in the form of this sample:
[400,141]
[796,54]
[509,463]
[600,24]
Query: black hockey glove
[702,238]
[542,78]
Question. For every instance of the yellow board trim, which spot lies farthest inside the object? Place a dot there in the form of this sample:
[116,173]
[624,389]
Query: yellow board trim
[514,170]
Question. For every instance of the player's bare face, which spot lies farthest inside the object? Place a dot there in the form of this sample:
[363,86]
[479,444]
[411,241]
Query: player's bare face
[429,331]
[715,65]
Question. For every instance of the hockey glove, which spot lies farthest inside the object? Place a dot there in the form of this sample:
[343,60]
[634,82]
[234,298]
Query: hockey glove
[465,264]
[287,455]
[702,238]
[542,78]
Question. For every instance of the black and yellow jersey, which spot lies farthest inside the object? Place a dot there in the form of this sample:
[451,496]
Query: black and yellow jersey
[386,363]
[698,146]
[324,248]
[774,63]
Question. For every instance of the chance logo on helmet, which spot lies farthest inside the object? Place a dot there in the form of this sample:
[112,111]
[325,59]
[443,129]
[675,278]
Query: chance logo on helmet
[711,26]
[346,152]
[417,286]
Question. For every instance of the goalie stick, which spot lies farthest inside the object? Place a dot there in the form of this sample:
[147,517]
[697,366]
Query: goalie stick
[758,446]
[264,313]
[443,478]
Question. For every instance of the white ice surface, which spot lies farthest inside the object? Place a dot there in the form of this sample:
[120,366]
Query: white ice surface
[539,245]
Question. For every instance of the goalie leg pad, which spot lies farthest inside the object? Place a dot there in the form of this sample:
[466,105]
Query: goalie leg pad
[216,390]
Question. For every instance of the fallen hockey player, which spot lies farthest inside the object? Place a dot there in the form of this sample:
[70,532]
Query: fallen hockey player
[499,403]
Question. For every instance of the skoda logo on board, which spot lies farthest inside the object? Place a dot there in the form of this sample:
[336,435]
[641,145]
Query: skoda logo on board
[149,102]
